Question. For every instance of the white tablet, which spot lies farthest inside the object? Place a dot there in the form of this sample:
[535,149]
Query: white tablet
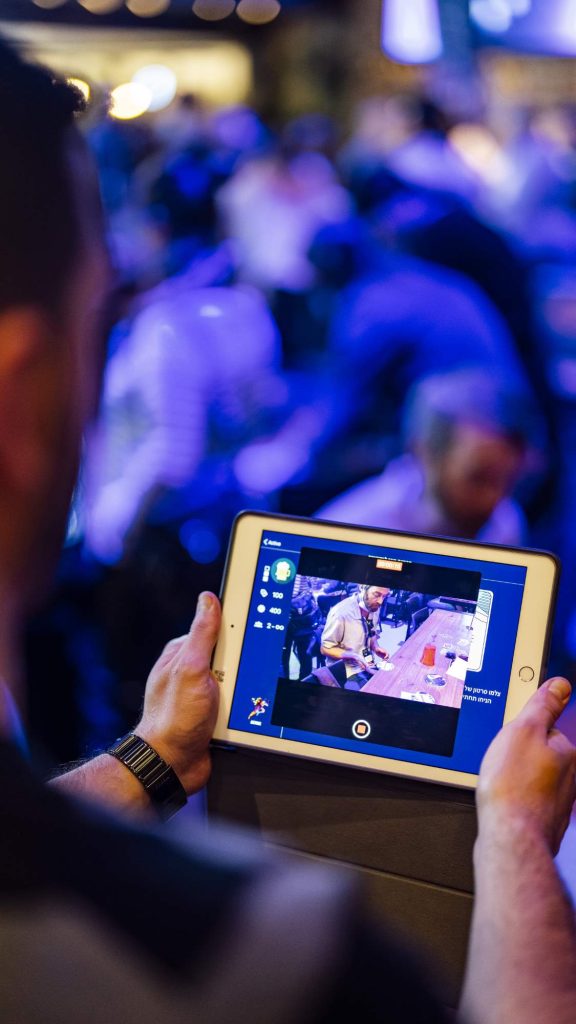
[374,649]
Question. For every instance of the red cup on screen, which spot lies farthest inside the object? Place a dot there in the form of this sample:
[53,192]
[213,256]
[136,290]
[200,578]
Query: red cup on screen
[428,655]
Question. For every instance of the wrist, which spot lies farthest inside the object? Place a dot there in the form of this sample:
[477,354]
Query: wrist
[517,828]
[191,765]
[155,775]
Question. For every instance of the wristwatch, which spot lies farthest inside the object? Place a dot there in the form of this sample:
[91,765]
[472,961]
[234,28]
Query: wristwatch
[166,792]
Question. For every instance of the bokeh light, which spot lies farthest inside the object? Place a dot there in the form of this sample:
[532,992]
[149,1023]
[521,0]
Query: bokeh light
[258,12]
[213,10]
[49,5]
[161,82]
[492,15]
[129,100]
[147,8]
[411,33]
[82,87]
[100,6]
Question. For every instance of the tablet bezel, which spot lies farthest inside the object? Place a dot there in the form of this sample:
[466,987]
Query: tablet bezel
[532,639]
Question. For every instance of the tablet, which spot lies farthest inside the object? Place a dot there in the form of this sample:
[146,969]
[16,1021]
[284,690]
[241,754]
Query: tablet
[374,649]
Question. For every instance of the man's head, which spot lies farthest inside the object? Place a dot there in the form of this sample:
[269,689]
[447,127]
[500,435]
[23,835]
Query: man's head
[470,437]
[374,597]
[53,285]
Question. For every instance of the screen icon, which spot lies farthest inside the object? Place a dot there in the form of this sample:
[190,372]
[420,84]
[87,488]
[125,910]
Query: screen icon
[260,706]
[361,729]
[283,570]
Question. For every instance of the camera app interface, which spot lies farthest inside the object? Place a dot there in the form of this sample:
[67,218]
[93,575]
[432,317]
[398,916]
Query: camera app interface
[394,632]
[378,650]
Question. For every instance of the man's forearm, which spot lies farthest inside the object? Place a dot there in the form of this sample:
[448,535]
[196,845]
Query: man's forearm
[522,953]
[344,653]
[107,781]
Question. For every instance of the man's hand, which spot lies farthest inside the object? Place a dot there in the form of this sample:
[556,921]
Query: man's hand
[181,699]
[522,951]
[528,775]
[361,661]
[380,652]
[180,708]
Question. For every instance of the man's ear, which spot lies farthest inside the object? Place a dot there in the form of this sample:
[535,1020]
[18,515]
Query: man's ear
[26,396]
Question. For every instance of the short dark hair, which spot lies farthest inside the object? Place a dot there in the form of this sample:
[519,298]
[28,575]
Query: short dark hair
[439,404]
[39,232]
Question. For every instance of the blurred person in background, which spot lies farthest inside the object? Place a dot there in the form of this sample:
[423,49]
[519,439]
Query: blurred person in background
[393,320]
[534,202]
[271,210]
[198,420]
[182,123]
[118,147]
[398,318]
[194,379]
[428,217]
[406,135]
[194,376]
[466,443]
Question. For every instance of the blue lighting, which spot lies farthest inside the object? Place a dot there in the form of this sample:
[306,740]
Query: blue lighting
[539,26]
[201,542]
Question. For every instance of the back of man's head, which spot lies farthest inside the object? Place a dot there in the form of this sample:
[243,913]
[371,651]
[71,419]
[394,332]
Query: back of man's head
[38,227]
[439,404]
[469,435]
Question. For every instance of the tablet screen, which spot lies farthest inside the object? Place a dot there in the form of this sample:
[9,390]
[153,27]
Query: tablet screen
[373,649]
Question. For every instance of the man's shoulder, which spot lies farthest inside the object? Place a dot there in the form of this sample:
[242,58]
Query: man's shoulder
[180,930]
[381,501]
[52,846]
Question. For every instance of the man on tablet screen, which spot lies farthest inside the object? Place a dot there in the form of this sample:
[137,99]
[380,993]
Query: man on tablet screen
[350,638]
[104,922]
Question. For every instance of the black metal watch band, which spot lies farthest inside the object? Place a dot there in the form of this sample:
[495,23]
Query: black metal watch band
[160,781]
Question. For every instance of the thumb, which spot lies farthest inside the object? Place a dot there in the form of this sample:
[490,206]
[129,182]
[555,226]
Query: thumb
[204,629]
[547,704]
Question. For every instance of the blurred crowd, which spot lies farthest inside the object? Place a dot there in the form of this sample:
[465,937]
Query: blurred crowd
[376,324]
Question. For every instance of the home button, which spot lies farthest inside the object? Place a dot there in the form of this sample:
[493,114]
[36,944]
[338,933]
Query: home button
[526,674]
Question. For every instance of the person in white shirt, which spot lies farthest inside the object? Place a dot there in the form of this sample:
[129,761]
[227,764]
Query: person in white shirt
[350,638]
[464,453]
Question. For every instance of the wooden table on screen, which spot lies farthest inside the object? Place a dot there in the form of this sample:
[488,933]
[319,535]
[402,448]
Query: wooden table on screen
[409,674]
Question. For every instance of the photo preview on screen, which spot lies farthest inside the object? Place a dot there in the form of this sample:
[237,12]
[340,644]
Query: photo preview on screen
[377,648]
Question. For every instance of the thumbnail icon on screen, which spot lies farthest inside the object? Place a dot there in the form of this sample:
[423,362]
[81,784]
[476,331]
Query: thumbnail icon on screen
[283,570]
[260,706]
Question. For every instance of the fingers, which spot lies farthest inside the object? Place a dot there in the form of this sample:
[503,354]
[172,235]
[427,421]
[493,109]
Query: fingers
[547,704]
[199,643]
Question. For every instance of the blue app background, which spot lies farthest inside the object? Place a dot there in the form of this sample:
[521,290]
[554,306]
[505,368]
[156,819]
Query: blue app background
[262,650]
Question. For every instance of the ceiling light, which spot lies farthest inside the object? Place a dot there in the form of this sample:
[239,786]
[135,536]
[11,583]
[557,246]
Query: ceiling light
[100,6]
[49,5]
[258,12]
[213,10]
[147,8]
[129,100]
[161,82]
